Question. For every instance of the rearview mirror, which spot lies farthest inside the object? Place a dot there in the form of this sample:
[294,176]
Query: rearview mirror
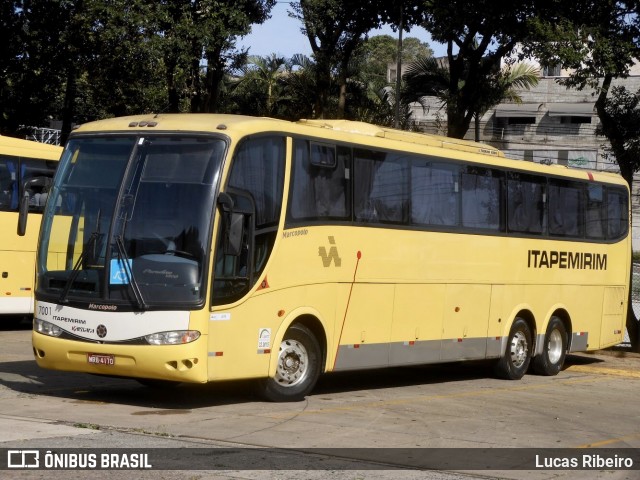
[234,233]
[232,225]
[23,213]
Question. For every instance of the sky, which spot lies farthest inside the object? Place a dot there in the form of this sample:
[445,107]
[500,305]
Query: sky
[281,35]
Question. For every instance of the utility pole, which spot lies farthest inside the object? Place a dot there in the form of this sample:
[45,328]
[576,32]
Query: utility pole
[399,71]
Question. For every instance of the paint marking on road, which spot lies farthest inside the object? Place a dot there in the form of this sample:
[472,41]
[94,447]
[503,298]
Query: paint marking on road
[610,441]
[618,372]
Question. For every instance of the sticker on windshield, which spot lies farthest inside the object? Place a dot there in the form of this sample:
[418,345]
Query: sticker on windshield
[119,272]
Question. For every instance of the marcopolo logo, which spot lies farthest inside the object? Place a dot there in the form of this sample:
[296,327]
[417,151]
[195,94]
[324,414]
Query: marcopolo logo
[101,331]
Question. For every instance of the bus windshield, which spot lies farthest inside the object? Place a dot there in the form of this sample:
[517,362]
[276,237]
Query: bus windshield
[129,221]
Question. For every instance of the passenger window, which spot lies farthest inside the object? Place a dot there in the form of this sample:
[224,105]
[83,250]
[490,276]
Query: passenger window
[525,203]
[435,194]
[320,185]
[481,198]
[617,213]
[565,209]
[596,212]
[382,187]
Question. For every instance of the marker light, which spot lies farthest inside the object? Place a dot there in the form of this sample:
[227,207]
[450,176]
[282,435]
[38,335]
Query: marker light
[46,328]
[177,337]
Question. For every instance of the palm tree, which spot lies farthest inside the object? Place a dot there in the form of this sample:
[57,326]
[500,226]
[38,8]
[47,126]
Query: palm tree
[260,80]
[300,85]
[430,77]
[505,86]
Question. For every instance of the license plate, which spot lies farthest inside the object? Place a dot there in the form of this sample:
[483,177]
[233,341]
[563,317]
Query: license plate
[97,359]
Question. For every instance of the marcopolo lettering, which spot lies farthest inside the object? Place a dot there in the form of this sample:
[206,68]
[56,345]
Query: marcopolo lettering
[566,260]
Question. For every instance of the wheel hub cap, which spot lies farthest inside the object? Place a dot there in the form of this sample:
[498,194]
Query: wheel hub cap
[292,363]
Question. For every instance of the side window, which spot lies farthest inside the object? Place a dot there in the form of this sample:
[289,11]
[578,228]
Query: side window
[43,171]
[382,187]
[481,198]
[617,213]
[258,169]
[320,183]
[596,212]
[8,183]
[566,216]
[435,193]
[525,203]
[256,184]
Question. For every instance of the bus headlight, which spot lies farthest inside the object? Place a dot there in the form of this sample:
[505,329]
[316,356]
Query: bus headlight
[46,328]
[177,337]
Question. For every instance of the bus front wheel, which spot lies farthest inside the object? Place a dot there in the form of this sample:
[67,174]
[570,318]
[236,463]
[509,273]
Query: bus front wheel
[298,369]
[550,361]
[515,361]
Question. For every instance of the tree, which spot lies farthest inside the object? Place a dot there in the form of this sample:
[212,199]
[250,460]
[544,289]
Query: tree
[335,28]
[431,77]
[80,61]
[478,36]
[504,85]
[261,84]
[300,87]
[11,26]
[374,55]
[123,74]
[371,93]
[197,40]
[31,62]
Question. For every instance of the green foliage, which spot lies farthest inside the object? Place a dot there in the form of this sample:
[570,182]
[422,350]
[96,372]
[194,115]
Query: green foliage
[621,126]
[29,74]
[431,77]
[373,56]
[260,88]
[335,29]
[88,59]
[197,40]
[478,36]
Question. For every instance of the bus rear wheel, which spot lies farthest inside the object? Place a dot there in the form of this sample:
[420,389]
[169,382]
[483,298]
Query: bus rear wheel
[515,361]
[298,369]
[551,360]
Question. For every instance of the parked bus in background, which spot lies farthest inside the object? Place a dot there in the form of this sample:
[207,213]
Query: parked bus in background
[198,248]
[26,167]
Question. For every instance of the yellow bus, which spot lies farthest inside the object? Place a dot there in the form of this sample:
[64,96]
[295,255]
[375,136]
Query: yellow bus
[202,248]
[26,168]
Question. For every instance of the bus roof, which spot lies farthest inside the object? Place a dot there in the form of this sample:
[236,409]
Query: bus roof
[240,125]
[404,136]
[27,148]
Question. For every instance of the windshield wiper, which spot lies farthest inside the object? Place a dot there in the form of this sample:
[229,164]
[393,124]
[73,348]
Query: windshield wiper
[126,262]
[76,268]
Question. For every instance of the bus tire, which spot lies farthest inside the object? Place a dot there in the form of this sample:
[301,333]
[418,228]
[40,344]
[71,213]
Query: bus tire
[551,360]
[298,369]
[515,361]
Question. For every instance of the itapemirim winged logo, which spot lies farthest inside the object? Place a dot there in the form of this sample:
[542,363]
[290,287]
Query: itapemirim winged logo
[332,256]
